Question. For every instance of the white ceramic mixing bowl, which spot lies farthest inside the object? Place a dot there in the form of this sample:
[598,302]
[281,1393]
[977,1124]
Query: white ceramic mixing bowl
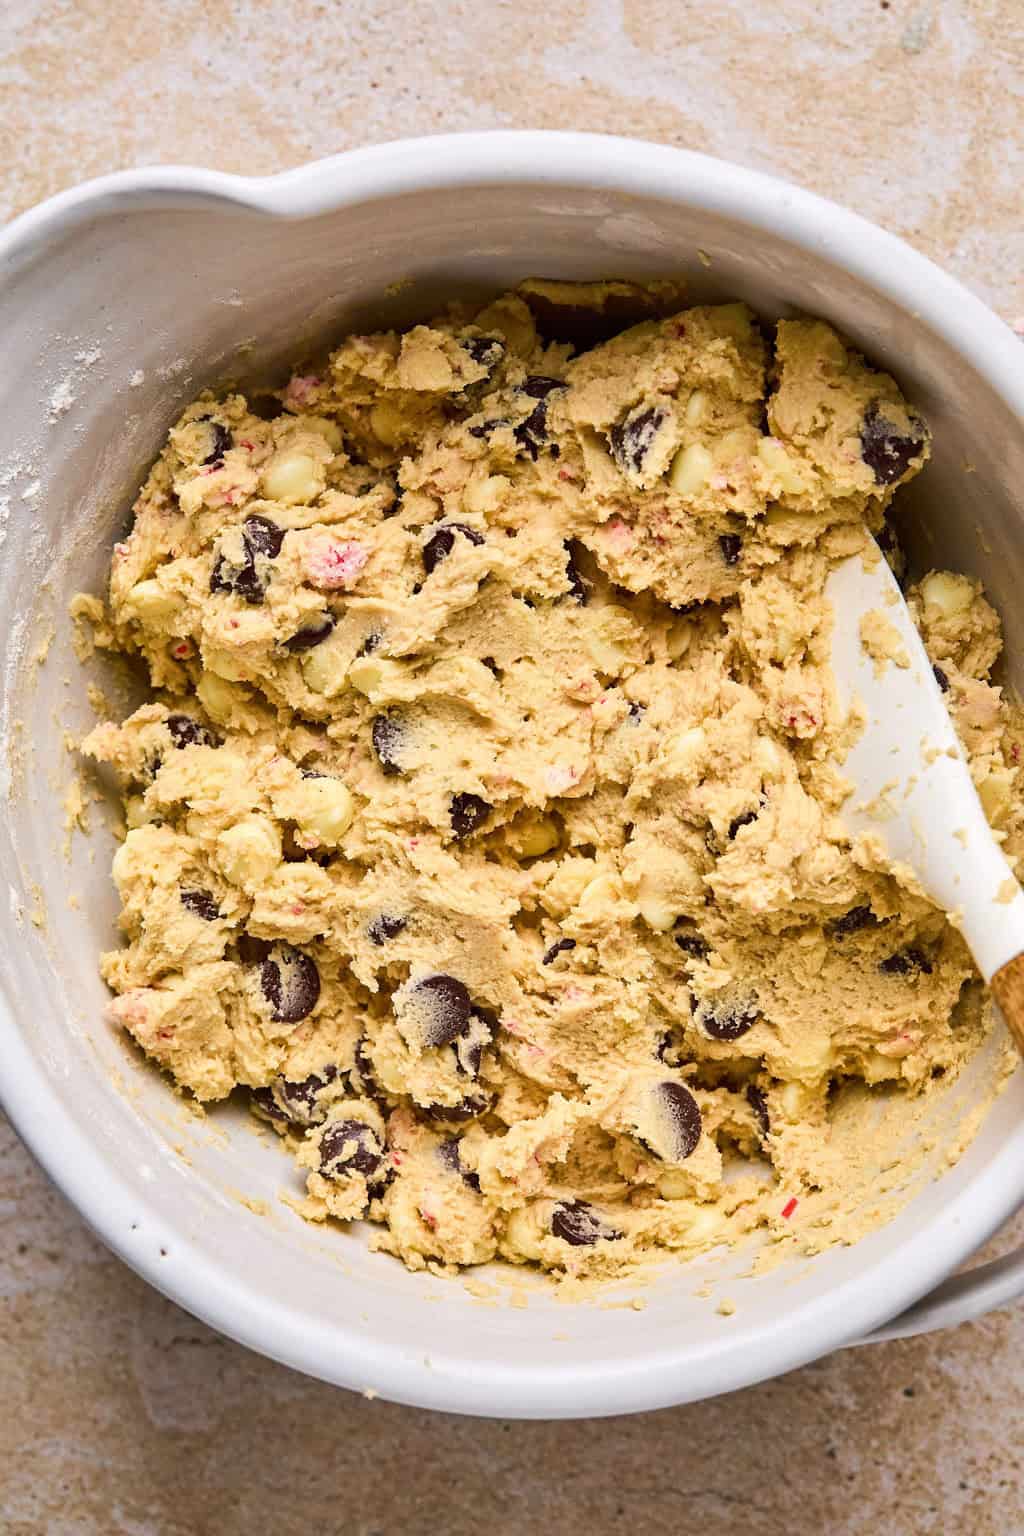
[117,302]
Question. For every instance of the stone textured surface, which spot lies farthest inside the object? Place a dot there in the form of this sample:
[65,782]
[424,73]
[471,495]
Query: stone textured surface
[122,1414]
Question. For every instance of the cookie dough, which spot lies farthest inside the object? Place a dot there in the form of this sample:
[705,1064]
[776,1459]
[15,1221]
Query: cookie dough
[484,824]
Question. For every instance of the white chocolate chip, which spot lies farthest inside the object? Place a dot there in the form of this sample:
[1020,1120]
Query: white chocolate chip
[946,595]
[695,408]
[371,674]
[292,477]
[249,852]
[325,428]
[776,460]
[678,638]
[690,469]
[326,812]
[530,839]
[151,603]
[389,424]
[324,670]
[220,698]
[657,910]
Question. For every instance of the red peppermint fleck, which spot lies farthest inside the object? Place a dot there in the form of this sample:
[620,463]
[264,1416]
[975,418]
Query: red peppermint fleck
[332,563]
[618,533]
[300,387]
[566,474]
[431,1221]
[297,909]
[182,650]
[1015,753]
[121,549]
[788,1209]
[246,444]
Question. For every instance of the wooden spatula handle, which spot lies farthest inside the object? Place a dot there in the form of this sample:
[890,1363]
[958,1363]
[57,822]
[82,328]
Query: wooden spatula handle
[1008,990]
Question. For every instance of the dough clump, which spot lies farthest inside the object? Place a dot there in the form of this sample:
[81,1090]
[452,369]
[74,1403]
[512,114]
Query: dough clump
[484,823]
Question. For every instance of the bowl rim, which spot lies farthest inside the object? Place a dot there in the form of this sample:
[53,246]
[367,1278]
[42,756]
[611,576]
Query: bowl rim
[159,1253]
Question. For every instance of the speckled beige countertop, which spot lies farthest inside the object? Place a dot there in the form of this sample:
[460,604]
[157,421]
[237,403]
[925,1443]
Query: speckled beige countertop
[120,1414]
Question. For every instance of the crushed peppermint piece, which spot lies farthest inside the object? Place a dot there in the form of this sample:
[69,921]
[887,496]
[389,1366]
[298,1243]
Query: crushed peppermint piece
[331,563]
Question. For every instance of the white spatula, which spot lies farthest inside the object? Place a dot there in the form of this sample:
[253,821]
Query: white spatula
[911,785]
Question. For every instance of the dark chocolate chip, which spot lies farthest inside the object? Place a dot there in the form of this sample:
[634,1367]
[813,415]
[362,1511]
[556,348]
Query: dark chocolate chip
[300,1101]
[680,1114]
[361,1076]
[941,679]
[577,586]
[444,1007]
[467,813]
[314,632]
[726,1022]
[886,449]
[385,926]
[263,536]
[538,386]
[759,1104]
[186,732]
[578,1224]
[532,432]
[451,1157]
[741,821]
[352,1146]
[487,351]
[663,1045]
[290,982]
[265,1104]
[371,643]
[222,441]
[201,903]
[692,944]
[440,544]
[558,947]
[731,545]
[632,439]
[485,428]
[852,922]
[469,1046]
[222,576]
[906,962]
[260,537]
[636,712]
[389,736]
[469,1108]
